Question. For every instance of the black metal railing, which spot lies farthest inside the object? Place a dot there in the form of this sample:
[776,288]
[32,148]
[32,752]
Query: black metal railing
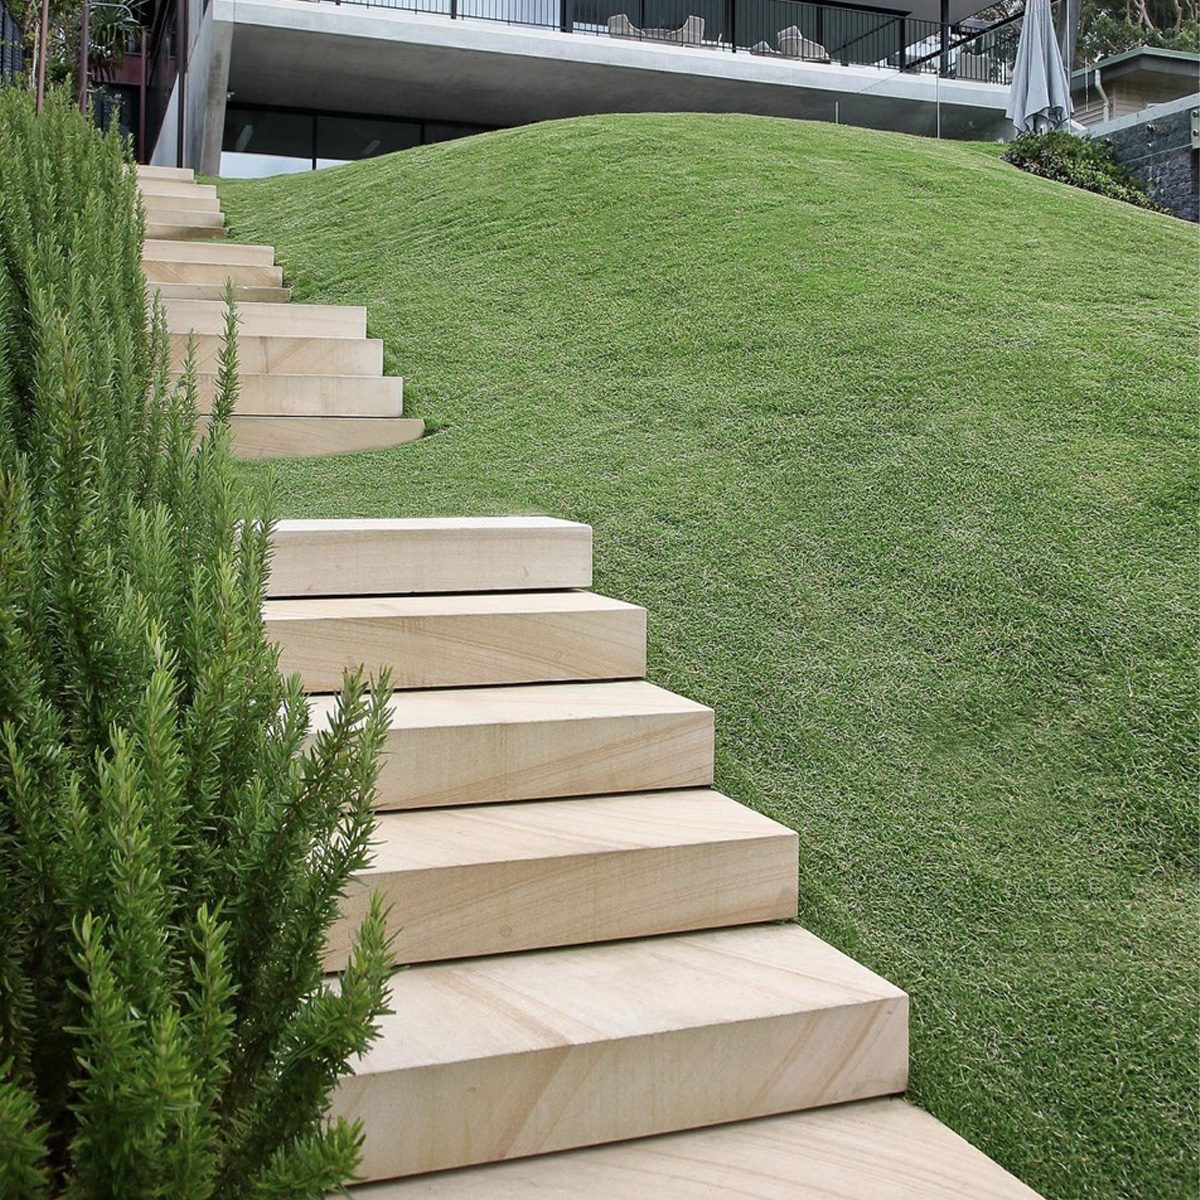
[825,32]
[12,46]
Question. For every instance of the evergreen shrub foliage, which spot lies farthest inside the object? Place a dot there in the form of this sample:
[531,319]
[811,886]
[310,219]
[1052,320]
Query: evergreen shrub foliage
[173,840]
[1080,162]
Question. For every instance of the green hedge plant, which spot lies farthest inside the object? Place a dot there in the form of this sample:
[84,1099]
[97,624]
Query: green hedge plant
[1080,162]
[173,837]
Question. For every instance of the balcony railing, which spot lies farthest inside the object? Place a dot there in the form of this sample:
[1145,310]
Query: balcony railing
[12,50]
[827,32]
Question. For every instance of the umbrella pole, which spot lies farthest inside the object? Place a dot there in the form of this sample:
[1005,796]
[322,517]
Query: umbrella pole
[43,30]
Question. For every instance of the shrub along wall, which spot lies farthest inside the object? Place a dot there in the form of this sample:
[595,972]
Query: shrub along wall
[1079,162]
[170,853]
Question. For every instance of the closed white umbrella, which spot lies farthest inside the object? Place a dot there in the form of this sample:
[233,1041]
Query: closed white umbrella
[1040,97]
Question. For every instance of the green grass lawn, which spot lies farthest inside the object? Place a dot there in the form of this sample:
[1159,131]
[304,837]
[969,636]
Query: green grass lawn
[898,447]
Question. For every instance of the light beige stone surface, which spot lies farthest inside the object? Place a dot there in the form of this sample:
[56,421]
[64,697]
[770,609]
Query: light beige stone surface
[243,293]
[286,355]
[271,320]
[182,273]
[432,554]
[222,253]
[144,171]
[193,200]
[504,877]
[192,218]
[495,1058]
[175,187]
[464,640]
[883,1149]
[311,395]
[486,745]
[304,437]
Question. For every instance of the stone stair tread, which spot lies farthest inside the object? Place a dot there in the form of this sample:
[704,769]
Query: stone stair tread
[537,741]
[410,555]
[268,320]
[315,437]
[500,1057]
[192,201]
[178,231]
[543,704]
[222,254]
[163,188]
[243,293]
[496,878]
[311,395]
[879,1149]
[460,640]
[283,354]
[201,218]
[149,171]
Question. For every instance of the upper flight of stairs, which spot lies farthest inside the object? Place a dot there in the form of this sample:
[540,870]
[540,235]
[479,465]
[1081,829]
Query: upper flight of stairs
[311,381]
[596,951]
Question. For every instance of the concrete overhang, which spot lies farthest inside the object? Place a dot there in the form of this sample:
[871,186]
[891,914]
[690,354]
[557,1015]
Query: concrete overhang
[346,58]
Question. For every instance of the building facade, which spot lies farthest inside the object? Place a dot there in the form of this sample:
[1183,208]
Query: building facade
[254,87]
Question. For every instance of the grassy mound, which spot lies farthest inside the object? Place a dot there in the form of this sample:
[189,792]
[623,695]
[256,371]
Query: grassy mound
[897,445]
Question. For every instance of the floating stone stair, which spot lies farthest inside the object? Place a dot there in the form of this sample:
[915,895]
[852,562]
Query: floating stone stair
[495,878]
[492,1058]
[602,991]
[486,745]
[871,1150]
[456,641]
[407,556]
[311,395]
[334,399]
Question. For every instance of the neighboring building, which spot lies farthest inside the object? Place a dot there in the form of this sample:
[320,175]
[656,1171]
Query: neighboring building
[1145,104]
[1130,82]
[281,85]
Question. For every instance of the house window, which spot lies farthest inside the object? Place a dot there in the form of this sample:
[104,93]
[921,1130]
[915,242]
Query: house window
[269,141]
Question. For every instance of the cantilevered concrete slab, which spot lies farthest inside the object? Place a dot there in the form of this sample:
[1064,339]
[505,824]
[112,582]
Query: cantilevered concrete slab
[347,58]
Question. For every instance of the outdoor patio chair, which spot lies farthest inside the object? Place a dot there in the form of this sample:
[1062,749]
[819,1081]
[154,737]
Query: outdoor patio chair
[690,33]
[793,44]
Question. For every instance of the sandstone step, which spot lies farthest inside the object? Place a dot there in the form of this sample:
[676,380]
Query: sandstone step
[485,745]
[181,273]
[176,187]
[182,230]
[311,395]
[286,355]
[883,1149]
[502,877]
[224,253]
[456,641]
[243,293]
[429,554]
[145,171]
[496,1058]
[168,214]
[269,320]
[193,201]
[315,437]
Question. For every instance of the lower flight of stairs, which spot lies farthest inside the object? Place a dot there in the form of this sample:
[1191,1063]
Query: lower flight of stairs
[312,382]
[596,951]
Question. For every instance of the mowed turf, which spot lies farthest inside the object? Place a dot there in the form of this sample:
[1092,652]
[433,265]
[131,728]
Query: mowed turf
[898,447]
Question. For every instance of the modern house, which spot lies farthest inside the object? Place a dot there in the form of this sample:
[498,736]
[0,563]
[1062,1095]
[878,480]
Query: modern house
[252,87]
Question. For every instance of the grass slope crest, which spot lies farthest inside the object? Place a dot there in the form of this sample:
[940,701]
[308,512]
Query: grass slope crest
[897,445]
